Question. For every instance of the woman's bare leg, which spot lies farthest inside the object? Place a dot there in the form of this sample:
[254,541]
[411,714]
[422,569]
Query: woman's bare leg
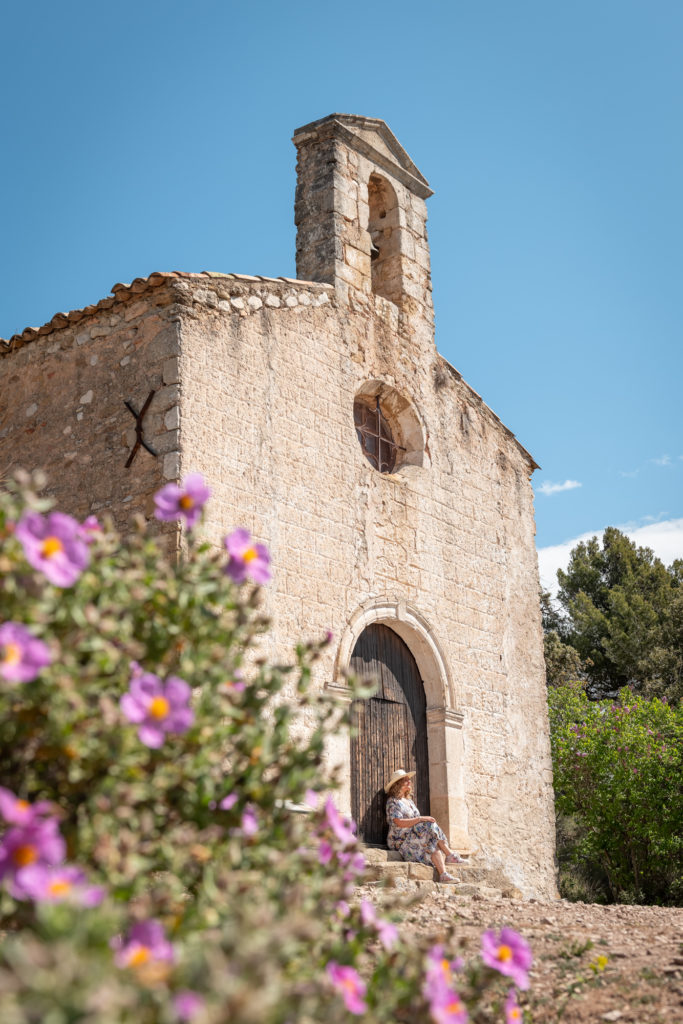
[438,861]
[446,850]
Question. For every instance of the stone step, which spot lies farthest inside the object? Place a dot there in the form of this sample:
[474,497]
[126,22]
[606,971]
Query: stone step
[388,867]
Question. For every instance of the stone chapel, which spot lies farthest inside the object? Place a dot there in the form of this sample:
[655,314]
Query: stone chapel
[397,507]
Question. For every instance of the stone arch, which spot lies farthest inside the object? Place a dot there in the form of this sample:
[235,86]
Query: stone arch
[404,419]
[444,720]
[414,629]
[385,249]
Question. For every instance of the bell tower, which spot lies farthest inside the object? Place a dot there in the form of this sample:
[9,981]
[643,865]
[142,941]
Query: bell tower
[361,215]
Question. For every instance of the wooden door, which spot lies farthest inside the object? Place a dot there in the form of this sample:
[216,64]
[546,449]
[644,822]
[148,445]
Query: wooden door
[392,729]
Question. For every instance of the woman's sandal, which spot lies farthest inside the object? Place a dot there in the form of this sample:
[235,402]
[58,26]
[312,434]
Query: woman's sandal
[454,858]
[446,876]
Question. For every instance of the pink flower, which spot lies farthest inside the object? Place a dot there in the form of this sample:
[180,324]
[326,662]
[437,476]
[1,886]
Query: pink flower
[509,954]
[368,913]
[184,502]
[228,802]
[354,864]
[89,527]
[234,685]
[20,812]
[349,984]
[187,1004]
[312,799]
[448,1008]
[513,1014]
[22,655]
[249,821]
[440,971]
[342,908]
[37,842]
[325,852]
[247,559]
[55,545]
[58,885]
[158,708]
[343,828]
[146,942]
[387,933]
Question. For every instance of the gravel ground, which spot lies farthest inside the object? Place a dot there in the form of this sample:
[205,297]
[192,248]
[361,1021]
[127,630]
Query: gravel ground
[641,983]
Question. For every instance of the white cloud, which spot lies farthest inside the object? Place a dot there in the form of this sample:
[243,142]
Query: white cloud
[549,488]
[665,538]
[663,460]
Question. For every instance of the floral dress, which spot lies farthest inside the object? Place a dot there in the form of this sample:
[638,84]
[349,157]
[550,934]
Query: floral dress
[416,843]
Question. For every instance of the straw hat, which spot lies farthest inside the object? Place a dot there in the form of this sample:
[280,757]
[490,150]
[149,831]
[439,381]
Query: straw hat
[398,774]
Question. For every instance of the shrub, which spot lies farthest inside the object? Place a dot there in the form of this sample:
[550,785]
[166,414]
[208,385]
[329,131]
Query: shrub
[153,867]
[618,779]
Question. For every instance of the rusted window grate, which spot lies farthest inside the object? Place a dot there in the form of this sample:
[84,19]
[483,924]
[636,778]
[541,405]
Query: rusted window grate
[375,437]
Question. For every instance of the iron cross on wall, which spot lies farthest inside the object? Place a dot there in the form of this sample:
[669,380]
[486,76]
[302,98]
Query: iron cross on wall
[139,439]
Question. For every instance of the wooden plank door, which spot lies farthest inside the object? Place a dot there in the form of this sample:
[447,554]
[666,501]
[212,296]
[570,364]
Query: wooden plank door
[392,729]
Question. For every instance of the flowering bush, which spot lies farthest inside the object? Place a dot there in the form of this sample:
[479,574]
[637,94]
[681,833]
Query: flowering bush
[152,866]
[618,769]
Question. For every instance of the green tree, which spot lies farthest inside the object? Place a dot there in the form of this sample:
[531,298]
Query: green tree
[622,612]
[563,662]
[618,774]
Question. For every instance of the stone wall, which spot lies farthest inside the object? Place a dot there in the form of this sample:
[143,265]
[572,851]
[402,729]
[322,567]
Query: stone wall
[267,402]
[64,389]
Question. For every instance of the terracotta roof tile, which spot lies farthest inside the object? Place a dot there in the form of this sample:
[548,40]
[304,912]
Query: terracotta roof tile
[123,292]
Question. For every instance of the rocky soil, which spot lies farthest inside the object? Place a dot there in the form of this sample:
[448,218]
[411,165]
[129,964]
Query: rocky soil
[641,982]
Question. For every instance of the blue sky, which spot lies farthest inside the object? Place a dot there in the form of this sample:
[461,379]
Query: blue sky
[156,136]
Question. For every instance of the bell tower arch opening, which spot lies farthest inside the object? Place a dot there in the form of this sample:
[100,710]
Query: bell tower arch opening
[361,217]
[384,229]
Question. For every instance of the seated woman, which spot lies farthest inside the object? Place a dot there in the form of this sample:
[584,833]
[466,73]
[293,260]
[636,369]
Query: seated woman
[417,837]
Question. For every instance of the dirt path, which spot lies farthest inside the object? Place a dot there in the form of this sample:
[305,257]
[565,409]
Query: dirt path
[641,982]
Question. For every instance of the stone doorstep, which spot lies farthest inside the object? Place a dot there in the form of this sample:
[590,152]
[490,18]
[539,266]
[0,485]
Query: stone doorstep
[387,865]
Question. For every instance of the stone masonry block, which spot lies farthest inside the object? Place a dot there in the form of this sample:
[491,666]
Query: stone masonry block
[423,871]
[171,464]
[171,371]
[172,418]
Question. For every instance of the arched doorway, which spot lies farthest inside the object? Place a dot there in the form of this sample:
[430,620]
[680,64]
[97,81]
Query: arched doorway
[392,728]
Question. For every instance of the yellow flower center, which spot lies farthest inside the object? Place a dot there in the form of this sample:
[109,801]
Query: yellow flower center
[515,1013]
[186,502]
[60,887]
[22,805]
[159,707]
[11,654]
[51,547]
[250,554]
[455,1006]
[24,855]
[139,956]
[504,954]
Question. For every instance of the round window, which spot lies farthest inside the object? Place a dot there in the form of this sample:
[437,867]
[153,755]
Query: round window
[389,431]
[374,433]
